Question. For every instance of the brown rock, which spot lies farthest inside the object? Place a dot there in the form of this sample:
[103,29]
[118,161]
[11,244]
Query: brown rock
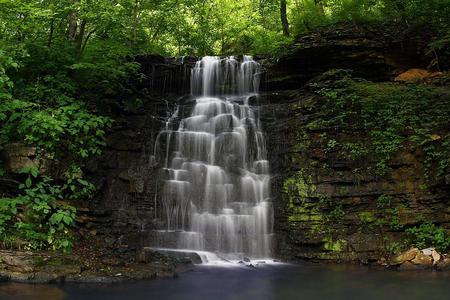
[19,262]
[436,256]
[444,264]
[18,149]
[405,256]
[18,156]
[111,261]
[422,260]
[408,266]
[382,261]
[413,75]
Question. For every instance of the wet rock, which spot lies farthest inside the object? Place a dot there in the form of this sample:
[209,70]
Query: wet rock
[436,256]
[123,140]
[18,261]
[405,256]
[423,260]
[150,254]
[444,264]
[382,261]
[111,261]
[409,266]
[46,277]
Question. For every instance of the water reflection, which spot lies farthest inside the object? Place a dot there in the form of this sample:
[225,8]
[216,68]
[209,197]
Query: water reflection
[24,291]
[263,282]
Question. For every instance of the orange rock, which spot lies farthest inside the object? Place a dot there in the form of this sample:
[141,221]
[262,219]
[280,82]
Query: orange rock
[413,75]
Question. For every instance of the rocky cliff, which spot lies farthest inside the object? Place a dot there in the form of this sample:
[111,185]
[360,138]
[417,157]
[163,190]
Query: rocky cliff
[352,176]
[331,200]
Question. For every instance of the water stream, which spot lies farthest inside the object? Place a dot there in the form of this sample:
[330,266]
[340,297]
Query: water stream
[216,193]
[284,282]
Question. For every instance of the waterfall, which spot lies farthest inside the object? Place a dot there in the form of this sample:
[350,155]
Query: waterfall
[216,192]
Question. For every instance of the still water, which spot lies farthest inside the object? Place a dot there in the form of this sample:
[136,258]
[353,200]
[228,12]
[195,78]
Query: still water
[282,282]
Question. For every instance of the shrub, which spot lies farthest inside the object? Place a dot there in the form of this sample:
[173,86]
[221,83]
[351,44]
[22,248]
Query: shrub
[429,235]
[37,219]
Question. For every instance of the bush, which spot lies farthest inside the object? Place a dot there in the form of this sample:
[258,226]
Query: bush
[37,219]
[429,235]
[387,114]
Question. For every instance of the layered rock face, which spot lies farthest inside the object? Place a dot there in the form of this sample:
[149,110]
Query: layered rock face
[325,209]
[372,52]
[127,200]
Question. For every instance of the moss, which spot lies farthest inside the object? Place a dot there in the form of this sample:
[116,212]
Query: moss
[38,261]
[334,246]
[299,188]
[367,217]
[303,141]
[302,214]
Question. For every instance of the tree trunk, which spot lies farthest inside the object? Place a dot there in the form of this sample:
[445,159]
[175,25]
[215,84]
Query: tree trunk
[50,34]
[320,6]
[79,39]
[284,19]
[73,24]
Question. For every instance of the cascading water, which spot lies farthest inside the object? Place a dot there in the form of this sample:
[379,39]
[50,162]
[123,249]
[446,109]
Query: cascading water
[216,196]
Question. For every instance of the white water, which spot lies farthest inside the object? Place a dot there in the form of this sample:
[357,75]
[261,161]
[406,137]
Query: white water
[216,196]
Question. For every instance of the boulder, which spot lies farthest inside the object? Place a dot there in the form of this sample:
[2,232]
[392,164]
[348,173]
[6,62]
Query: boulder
[428,251]
[444,264]
[18,156]
[413,75]
[436,256]
[18,261]
[405,256]
[408,266]
[423,260]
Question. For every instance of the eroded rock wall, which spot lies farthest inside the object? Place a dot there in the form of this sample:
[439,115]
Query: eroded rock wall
[323,208]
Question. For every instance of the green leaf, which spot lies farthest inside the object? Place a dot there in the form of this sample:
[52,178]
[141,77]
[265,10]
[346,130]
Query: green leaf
[28,182]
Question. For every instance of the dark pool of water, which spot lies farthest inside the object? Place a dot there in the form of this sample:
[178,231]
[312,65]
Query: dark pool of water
[265,282]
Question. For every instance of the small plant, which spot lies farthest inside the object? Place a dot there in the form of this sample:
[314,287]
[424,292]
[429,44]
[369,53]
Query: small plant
[366,217]
[384,201]
[336,210]
[37,218]
[395,247]
[331,145]
[429,235]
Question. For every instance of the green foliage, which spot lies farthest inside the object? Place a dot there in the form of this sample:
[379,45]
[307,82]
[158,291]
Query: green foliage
[366,217]
[395,247]
[389,114]
[308,14]
[36,219]
[336,211]
[384,201]
[68,129]
[75,186]
[429,235]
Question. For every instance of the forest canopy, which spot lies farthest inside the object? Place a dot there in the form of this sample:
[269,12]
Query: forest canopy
[194,27]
